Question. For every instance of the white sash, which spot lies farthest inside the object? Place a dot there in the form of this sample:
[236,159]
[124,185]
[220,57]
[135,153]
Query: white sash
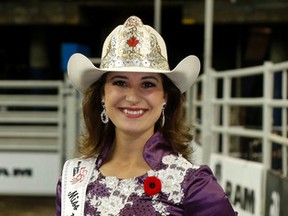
[75,178]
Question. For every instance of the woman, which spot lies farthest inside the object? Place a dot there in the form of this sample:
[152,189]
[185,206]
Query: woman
[136,149]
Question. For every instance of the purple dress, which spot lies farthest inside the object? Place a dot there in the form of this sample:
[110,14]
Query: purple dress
[173,186]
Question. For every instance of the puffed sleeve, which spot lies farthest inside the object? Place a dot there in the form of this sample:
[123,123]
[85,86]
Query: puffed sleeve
[58,198]
[204,196]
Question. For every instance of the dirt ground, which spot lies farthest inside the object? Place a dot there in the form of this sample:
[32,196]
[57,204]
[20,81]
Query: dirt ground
[27,206]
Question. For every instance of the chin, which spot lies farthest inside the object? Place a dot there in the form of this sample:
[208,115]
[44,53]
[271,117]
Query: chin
[134,129]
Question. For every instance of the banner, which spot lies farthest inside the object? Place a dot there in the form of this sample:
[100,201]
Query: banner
[26,173]
[276,195]
[284,209]
[243,182]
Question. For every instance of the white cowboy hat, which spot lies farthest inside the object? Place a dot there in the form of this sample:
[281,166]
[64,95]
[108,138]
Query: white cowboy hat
[132,47]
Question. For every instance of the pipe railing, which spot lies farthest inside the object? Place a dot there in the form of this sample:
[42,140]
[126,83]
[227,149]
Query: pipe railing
[220,118]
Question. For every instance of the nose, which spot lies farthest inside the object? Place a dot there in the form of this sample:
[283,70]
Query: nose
[133,96]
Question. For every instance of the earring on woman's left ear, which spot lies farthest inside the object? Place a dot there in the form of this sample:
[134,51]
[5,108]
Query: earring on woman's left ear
[163,115]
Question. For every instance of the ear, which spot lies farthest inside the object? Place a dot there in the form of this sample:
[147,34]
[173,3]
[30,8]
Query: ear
[165,98]
[102,96]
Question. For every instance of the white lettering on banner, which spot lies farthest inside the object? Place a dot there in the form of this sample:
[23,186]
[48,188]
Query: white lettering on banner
[16,172]
[242,196]
[275,204]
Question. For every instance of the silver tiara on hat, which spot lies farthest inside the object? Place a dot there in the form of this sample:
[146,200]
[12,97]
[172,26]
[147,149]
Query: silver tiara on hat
[134,44]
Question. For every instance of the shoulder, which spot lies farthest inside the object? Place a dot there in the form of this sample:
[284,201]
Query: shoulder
[201,181]
[191,174]
[203,194]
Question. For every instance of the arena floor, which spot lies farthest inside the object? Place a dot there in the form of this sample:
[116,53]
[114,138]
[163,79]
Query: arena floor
[27,206]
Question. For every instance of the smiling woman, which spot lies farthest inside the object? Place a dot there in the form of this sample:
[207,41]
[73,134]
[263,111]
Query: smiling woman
[136,146]
[132,99]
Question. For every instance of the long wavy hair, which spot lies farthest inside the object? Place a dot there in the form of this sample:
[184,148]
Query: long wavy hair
[97,134]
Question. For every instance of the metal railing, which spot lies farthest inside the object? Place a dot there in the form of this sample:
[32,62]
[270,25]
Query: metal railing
[218,125]
[31,136]
[31,115]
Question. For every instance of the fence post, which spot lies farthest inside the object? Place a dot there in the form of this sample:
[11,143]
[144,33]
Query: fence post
[72,119]
[207,118]
[207,114]
[284,121]
[267,114]
[226,114]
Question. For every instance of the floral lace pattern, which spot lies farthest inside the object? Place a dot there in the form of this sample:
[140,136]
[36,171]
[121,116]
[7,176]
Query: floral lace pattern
[116,193]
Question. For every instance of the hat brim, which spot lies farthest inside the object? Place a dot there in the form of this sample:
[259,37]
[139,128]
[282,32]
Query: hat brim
[83,73]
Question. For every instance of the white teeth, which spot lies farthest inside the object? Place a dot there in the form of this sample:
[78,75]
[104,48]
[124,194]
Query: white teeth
[131,112]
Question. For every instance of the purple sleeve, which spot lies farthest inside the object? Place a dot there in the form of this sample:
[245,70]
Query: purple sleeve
[58,198]
[204,196]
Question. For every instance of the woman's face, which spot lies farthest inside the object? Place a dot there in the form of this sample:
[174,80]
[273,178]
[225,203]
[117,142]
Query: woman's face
[134,100]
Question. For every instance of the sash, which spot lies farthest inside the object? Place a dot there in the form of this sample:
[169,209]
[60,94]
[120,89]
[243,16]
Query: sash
[75,178]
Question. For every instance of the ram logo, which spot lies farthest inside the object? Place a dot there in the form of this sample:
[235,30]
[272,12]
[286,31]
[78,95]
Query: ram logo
[16,172]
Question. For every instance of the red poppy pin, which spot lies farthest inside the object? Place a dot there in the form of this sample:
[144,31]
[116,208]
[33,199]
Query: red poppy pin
[152,185]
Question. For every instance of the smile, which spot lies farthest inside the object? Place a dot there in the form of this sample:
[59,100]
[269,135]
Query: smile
[133,112]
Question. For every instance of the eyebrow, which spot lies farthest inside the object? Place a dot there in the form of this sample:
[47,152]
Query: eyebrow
[143,78]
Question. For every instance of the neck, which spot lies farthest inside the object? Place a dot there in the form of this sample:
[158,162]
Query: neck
[129,147]
[125,159]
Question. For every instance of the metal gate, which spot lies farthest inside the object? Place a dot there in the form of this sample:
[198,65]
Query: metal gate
[216,108]
[31,136]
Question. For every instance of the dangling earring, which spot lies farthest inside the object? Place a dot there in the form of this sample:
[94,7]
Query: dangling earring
[163,115]
[104,116]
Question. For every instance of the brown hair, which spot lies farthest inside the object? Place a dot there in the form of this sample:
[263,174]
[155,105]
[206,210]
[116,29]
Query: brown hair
[97,134]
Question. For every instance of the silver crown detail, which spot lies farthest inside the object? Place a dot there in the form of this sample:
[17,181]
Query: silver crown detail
[134,45]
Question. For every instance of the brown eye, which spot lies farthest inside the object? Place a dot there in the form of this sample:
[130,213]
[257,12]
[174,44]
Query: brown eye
[148,85]
[120,83]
